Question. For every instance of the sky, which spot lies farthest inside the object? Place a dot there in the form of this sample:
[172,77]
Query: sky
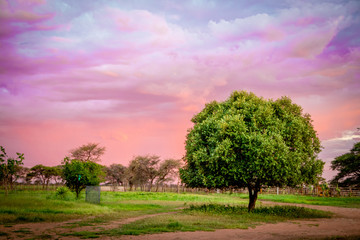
[130,75]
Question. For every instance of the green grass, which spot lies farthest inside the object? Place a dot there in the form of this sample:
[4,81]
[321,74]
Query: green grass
[348,202]
[177,197]
[289,212]
[83,234]
[205,212]
[23,230]
[339,238]
[30,206]
[209,217]
[43,206]
[177,222]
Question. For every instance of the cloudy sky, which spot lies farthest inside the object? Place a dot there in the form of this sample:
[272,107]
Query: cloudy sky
[130,74]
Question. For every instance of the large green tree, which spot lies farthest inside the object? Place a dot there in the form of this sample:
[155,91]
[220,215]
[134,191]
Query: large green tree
[348,166]
[248,141]
[79,174]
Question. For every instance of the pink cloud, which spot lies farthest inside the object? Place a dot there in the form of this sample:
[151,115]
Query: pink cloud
[132,80]
[62,39]
[20,12]
[150,30]
[240,28]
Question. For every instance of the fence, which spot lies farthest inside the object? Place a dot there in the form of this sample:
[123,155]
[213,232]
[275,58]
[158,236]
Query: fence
[33,187]
[314,191]
[93,194]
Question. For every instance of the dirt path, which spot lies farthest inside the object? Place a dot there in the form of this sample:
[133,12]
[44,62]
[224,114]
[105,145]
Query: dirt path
[53,230]
[22,231]
[345,222]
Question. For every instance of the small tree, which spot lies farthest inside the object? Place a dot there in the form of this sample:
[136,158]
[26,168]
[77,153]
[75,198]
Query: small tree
[348,166]
[58,174]
[23,172]
[143,170]
[167,169]
[88,152]
[135,175]
[115,174]
[79,174]
[247,141]
[15,175]
[9,167]
[43,174]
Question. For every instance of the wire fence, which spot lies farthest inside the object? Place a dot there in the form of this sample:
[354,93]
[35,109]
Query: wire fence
[93,194]
[330,191]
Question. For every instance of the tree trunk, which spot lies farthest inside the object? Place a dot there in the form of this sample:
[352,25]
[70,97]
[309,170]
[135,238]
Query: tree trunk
[77,193]
[11,182]
[150,185]
[6,186]
[253,194]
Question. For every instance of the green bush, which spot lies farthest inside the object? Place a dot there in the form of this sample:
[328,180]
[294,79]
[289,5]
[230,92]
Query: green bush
[291,212]
[62,193]
[280,211]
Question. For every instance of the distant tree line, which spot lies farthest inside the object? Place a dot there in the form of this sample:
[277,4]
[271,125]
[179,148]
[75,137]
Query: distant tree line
[145,172]
[149,172]
[81,168]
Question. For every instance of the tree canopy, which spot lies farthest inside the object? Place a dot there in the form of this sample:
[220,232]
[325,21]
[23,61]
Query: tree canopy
[143,169]
[43,174]
[88,152]
[9,168]
[149,169]
[166,171]
[115,174]
[79,174]
[348,166]
[248,141]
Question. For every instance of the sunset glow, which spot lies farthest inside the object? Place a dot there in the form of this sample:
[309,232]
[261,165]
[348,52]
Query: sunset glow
[131,74]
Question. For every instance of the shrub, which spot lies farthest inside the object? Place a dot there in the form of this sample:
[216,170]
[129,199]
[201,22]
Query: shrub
[280,211]
[62,192]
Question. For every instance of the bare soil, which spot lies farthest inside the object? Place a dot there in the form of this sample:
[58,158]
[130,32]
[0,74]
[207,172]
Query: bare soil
[345,223]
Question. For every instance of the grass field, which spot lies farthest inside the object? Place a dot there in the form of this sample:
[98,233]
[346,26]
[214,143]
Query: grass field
[191,212]
[38,206]
[349,202]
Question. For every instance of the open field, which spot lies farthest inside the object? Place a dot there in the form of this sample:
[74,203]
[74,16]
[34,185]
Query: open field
[39,215]
[348,202]
[39,206]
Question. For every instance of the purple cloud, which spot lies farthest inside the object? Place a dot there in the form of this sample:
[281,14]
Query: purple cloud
[149,66]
